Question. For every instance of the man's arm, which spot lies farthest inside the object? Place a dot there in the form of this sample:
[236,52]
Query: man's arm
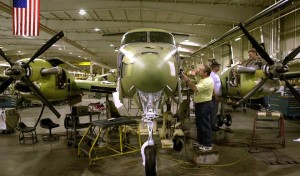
[189,83]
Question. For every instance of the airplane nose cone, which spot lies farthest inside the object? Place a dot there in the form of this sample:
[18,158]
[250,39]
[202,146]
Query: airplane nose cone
[150,73]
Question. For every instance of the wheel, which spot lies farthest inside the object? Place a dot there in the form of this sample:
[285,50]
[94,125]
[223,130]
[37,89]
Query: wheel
[220,120]
[228,120]
[150,161]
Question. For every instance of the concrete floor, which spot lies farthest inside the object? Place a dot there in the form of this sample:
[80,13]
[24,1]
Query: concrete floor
[56,158]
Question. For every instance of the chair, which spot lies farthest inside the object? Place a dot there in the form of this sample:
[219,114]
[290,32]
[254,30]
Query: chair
[49,124]
[23,129]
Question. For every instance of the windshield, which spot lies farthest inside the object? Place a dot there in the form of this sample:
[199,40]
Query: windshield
[161,37]
[134,37]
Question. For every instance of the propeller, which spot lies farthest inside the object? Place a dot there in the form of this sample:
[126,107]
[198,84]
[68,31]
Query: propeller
[5,84]
[18,71]
[6,58]
[273,70]
[257,46]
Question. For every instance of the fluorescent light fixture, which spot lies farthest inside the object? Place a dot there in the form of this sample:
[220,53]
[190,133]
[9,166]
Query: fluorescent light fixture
[97,29]
[190,43]
[181,49]
[82,12]
[237,39]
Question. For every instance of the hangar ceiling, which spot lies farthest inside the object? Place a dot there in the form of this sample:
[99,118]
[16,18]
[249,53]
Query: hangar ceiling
[199,20]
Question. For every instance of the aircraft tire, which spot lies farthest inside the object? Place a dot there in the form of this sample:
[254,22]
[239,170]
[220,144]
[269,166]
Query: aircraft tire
[220,120]
[228,120]
[150,161]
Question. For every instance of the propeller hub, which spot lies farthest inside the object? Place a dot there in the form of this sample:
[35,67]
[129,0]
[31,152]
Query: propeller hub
[17,71]
[276,70]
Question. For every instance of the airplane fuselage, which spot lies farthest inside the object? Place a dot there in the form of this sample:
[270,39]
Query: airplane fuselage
[148,68]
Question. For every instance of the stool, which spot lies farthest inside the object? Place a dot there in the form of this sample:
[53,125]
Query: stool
[23,129]
[49,124]
[264,120]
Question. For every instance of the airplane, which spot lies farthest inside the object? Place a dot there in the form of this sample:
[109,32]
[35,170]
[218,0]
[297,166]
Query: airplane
[253,80]
[148,72]
[45,80]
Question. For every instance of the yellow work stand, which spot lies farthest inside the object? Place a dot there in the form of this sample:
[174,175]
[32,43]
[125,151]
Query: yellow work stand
[93,145]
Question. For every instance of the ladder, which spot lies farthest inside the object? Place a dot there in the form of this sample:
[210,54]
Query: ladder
[92,143]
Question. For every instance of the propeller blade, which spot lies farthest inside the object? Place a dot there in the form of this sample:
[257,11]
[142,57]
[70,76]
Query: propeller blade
[46,46]
[291,75]
[257,46]
[37,93]
[5,57]
[291,56]
[250,93]
[5,84]
[292,89]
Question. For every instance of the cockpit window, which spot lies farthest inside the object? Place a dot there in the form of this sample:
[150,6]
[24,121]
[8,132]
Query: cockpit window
[134,37]
[161,37]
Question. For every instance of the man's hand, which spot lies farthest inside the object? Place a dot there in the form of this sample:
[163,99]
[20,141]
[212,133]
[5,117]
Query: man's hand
[184,77]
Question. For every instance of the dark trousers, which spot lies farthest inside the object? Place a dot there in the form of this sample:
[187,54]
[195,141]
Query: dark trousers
[214,114]
[204,133]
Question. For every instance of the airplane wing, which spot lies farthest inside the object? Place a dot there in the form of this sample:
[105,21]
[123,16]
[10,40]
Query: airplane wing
[55,62]
[96,86]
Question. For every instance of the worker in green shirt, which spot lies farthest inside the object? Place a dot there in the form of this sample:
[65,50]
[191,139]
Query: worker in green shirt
[203,92]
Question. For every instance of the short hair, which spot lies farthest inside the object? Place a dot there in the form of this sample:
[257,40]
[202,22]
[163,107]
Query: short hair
[207,69]
[252,50]
[214,64]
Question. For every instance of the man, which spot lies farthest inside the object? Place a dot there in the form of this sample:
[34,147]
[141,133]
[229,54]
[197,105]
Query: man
[258,61]
[253,57]
[215,66]
[203,92]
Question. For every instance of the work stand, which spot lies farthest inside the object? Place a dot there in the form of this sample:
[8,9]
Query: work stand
[95,146]
[72,125]
[268,128]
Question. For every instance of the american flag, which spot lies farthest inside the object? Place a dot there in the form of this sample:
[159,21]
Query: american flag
[26,17]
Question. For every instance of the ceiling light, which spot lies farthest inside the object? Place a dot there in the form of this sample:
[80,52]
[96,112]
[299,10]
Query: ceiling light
[237,39]
[111,45]
[79,56]
[97,29]
[71,53]
[181,49]
[190,43]
[59,49]
[186,40]
[82,12]
[116,49]
[19,51]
